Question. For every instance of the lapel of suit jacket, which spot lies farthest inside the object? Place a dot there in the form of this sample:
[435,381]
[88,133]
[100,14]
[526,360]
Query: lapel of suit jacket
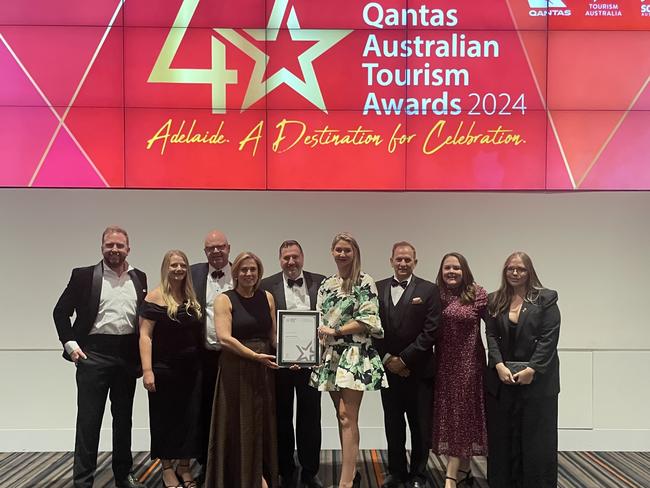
[504,320]
[388,300]
[523,317]
[312,289]
[96,289]
[140,291]
[406,299]
[201,286]
[278,293]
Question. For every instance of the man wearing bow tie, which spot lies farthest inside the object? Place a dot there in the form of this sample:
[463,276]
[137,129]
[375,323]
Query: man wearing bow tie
[210,279]
[103,345]
[410,313]
[295,289]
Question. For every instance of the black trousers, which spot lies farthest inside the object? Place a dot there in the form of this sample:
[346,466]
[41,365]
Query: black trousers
[308,430]
[522,440]
[210,368]
[108,371]
[411,397]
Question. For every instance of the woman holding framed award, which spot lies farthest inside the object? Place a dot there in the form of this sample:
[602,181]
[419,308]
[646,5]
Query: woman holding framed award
[522,379]
[350,364]
[243,449]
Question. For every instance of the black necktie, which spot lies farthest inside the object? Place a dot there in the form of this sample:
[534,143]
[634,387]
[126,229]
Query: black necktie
[403,284]
[292,283]
[217,274]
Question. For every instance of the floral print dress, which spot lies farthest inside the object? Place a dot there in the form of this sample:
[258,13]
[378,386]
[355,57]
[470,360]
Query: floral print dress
[350,361]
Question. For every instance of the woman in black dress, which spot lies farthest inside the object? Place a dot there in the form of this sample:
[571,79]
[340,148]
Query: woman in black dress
[170,338]
[522,379]
[243,449]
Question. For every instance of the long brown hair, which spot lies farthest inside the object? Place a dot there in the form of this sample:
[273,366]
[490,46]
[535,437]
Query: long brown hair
[355,269]
[501,298]
[189,296]
[467,288]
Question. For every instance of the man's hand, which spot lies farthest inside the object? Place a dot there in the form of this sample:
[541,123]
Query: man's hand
[76,355]
[395,365]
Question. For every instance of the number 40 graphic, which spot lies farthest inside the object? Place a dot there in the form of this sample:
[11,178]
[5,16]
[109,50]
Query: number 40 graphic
[217,76]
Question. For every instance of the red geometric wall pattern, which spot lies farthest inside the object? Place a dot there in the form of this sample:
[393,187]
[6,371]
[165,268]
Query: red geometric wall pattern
[336,95]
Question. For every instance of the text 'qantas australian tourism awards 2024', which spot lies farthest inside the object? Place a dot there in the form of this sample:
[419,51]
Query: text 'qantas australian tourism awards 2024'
[408,85]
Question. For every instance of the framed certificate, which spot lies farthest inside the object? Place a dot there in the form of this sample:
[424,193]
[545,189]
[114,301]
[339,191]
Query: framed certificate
[298,338]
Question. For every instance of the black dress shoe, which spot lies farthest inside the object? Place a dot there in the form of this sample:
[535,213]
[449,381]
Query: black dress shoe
[392,481]
[129,482]
[313,482]
[418,484]
[289,480]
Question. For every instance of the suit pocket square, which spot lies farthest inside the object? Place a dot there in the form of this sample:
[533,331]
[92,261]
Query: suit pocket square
[416,301]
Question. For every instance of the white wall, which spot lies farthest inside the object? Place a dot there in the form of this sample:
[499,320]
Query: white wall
[591,247]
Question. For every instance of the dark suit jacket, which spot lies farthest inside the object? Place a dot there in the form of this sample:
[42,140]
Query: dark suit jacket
[412,336]
[200,281]
[81,297]
[275,285]
[538,332]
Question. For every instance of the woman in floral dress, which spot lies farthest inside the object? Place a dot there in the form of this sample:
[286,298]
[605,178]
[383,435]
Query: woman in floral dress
[458,406]
[350,365]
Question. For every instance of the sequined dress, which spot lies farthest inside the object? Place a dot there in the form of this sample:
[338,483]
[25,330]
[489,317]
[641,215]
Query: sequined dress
[459,405]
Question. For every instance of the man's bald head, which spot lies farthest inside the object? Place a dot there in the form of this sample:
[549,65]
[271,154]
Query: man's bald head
[217,248]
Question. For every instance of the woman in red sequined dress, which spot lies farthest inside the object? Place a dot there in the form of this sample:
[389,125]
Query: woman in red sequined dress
[459,409]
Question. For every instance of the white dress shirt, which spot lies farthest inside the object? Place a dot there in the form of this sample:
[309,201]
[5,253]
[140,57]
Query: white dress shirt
[118,307]
[212,289]
[296,297]
[396,292]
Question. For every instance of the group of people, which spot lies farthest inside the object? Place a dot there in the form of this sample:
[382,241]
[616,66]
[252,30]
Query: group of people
[204,342]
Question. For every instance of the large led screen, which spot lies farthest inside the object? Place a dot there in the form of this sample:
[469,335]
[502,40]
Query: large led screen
[325,95]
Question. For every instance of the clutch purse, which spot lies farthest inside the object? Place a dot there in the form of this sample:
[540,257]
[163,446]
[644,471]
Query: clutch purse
[516,366]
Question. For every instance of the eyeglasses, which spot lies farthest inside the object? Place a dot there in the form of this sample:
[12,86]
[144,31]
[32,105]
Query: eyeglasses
[221,247]
[518,270]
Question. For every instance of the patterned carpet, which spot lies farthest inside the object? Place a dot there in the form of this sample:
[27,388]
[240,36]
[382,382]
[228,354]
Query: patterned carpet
[577,470]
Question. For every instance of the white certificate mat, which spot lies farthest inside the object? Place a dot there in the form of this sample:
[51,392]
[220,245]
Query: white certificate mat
[298,337]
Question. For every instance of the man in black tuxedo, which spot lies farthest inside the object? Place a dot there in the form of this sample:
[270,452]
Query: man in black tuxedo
[103,344]
[410,313]
[210,279]
[295,289]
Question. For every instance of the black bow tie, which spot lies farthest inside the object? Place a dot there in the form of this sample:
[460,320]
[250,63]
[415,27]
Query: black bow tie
[217,274]
[296,282]
[403,284]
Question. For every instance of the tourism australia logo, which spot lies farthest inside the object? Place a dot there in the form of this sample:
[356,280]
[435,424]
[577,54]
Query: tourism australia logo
[548,8]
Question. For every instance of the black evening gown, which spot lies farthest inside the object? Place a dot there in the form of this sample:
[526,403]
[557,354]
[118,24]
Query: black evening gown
[175,406]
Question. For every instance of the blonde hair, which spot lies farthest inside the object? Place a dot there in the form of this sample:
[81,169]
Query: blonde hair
[501,298]
[355,270]
[189,296]
[237,263]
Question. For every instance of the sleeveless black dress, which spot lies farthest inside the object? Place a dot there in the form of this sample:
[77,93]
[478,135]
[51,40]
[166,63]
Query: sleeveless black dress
[175,405]
[243,432]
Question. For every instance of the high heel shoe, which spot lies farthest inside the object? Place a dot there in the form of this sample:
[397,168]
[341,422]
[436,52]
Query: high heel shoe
[356,482]
[165,485]
[185,483]
[468,479]
[452,479]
